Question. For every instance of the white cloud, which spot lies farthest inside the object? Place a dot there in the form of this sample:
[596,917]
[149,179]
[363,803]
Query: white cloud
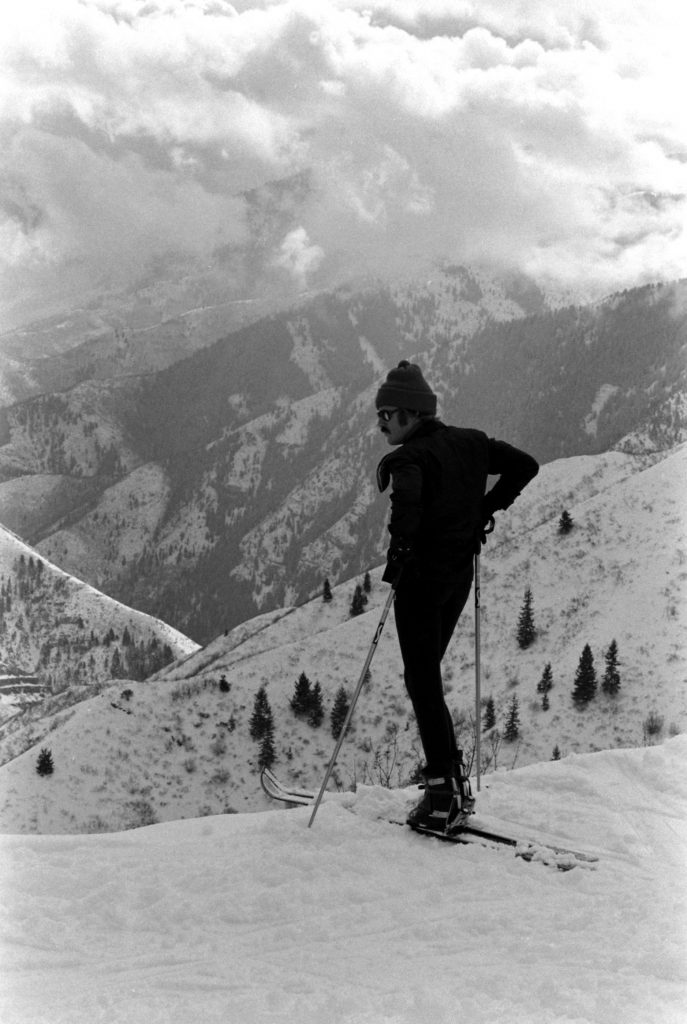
[298,256]
[113,211]
[550,135]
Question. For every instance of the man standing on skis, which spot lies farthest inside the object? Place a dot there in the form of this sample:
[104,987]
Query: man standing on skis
[439,517]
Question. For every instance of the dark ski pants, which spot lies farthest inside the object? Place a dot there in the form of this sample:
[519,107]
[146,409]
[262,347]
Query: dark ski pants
[426,616]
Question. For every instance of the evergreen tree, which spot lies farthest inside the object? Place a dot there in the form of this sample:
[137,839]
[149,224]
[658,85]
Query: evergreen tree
[565,523]
[489,720]
[584,689]
[315,710]
[326,592]
[546,682]
[267,755]
[556,756]
[545,685]
[359,601]
[339,712]
[526,631]
[367,583]
[300,702]
[44,765]
[261,719]
[224,685]
[610,683]
[116,664]
[512,729]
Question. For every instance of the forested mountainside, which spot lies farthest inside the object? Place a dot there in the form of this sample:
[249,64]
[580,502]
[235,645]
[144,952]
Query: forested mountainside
[236,480]
[63,633]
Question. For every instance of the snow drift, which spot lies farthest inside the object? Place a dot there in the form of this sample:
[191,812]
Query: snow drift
[258,919]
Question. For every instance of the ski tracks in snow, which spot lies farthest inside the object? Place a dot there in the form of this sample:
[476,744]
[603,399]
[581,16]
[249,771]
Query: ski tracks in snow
[256,919]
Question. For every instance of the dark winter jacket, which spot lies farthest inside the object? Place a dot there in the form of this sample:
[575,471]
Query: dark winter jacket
[438,503]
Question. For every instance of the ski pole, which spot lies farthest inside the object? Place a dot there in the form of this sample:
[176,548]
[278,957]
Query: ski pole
[478,679]
[347,720]
[488,528]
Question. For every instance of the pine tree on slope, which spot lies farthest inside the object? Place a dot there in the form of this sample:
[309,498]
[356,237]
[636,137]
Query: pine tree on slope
[261,719]
[545,685]
[315,709]
[489,720]
[610,683]
[359,601]
[300,702]
[526,631]
[339,712]
[565,523]
[267,755]
[512,729]
[584,689]
[546,682]
[44,765]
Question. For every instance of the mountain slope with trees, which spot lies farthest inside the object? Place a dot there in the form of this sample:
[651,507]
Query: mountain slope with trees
[190,740]
[67,636]
[235,480]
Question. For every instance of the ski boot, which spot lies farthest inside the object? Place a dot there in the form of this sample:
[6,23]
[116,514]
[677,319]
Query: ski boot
[440,809]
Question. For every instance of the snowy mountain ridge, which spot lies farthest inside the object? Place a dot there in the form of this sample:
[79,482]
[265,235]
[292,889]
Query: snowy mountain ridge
[166,320]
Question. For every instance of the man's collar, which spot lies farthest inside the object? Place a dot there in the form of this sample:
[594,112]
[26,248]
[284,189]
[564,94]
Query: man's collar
[424,426]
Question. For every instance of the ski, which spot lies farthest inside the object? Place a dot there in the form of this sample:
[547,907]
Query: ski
[277,791]
[526,848]
[530,850]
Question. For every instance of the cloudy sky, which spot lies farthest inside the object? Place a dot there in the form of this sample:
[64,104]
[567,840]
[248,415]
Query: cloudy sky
[550,135]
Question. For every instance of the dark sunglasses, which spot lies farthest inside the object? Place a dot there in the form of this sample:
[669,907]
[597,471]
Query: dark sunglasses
[386,414]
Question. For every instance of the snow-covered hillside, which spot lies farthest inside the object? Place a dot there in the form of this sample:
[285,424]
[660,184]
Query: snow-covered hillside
[256,919]
[65,631]
[179,746]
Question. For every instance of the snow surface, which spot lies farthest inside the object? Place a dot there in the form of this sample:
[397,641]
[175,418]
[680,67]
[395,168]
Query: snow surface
[257,919]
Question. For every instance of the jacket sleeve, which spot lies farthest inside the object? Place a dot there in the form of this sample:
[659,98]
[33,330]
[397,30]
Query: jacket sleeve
[514,468]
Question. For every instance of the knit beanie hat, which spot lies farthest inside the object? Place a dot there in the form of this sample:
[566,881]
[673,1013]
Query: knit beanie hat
[406,388]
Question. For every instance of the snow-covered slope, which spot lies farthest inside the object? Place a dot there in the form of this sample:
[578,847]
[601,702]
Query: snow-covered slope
[65,631]
[178,746]
[256,919]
